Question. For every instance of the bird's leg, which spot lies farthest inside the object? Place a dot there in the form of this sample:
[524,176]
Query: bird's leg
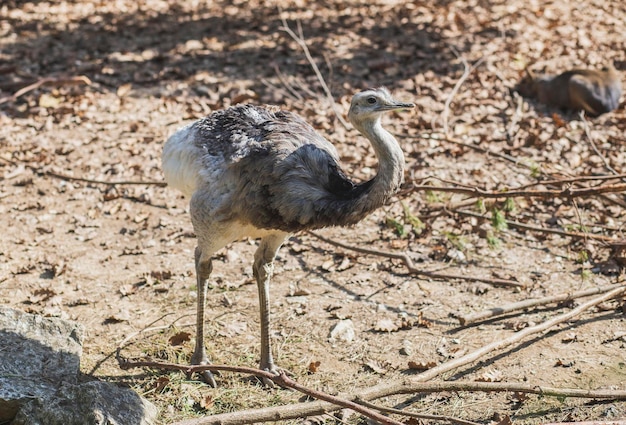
[263,268]
[204,267]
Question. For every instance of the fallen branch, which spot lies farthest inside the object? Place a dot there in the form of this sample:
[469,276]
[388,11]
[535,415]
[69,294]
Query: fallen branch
[499,311]
[468,358]
[513,193]
[593,144]
[414,270]
[299,39]
[477,148]
[281,379]
[518,225]
[450,419]
[82,179]
[620,422]
[111,183]
[417,384]
[49,81]
[358,402]
[467,70]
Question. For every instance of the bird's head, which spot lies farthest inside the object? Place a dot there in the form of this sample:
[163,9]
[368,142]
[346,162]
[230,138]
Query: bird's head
[369,105]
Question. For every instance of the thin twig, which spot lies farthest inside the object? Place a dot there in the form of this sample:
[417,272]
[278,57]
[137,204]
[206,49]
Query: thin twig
[331,403]
[477,192]
[414,270]
[448,139]
[82,179]
[498,344]
[281,379]
[587,129]
[609,422]
[112,183]
[523,226]
[576,179]
[299,39]
[417,383]
[49,81]
[467,70]
[521,305]
[450,419]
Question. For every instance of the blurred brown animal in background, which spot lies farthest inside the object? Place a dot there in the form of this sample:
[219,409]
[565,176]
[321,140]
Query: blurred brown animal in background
[594,91]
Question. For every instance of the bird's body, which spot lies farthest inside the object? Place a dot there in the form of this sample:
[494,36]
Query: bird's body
[259,172]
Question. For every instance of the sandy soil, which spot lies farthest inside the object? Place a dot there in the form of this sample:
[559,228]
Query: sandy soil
[118,258]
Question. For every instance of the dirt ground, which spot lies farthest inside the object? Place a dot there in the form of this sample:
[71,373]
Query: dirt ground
[118,258]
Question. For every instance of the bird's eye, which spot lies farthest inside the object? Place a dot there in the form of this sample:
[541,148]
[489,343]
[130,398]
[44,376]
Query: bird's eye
[371,100]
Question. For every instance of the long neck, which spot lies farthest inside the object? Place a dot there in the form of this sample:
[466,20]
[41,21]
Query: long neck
[390,158]
[390,172]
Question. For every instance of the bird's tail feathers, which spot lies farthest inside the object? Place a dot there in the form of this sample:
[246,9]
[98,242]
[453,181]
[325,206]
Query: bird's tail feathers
[181,161]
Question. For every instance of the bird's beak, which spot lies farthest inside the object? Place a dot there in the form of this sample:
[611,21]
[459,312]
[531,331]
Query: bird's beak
[394,106]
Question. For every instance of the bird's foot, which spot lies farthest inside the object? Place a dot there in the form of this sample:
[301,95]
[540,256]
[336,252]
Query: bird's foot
[272,368]
[206,376]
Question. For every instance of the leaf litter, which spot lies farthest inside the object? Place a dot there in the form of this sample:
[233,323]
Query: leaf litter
[161,64]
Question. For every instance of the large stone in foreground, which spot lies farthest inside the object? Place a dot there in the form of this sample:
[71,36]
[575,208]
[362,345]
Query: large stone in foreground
[91,403]
[39,369]
[36,355]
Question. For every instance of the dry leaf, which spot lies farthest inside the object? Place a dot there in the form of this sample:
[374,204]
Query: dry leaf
[161,275]
[563,363]
[376,366]
[40,296]
[502,420]
[328,265]
[232,329]
[206,401]
[385,325]
[421,321]
[314,366]
[49,101]
[519,397]
[493,375]
[127,289]
[570,337]
[119,317]
[421,365]
[558,121]
[161,383]
[180,338]
[124,89]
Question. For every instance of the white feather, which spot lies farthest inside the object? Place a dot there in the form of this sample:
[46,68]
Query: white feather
[182,160]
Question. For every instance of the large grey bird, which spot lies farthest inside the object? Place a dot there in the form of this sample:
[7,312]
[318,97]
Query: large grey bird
[258,172]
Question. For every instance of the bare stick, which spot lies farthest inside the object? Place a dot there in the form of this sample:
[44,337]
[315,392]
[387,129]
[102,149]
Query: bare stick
[49,81]
[515,338]
[621,422]
[299,39]
[523,226]
[467,70]
[593,145]
[450,419]
[82,179]
[516,161]
[332,403]
[112,183]
[513,193]
[576,179]
[498,311]
[281,379]
[411,266]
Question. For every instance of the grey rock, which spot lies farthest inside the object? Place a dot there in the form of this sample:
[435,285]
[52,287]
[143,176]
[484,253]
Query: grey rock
[36,354]
[39,371]
[91,403]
